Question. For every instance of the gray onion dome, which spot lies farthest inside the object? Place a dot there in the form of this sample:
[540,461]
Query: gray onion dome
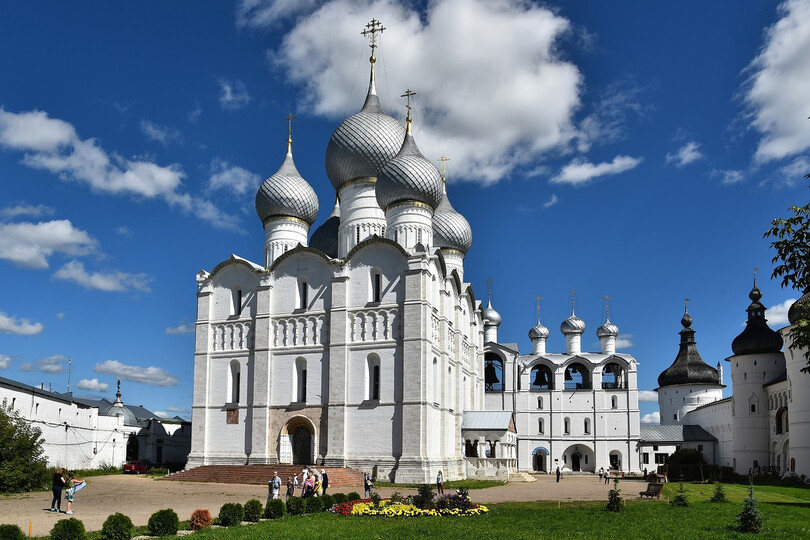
[409,177]
[608,329]
[538,331]
[325,237]
[757,337]
[287,194]
[363,143]
[688,367]
[450,229]
[572,325]
[492,317]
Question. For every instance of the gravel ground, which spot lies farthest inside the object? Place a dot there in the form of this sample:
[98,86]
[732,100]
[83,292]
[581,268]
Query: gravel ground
[139,497]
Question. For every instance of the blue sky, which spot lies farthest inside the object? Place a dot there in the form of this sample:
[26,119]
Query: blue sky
[631,149]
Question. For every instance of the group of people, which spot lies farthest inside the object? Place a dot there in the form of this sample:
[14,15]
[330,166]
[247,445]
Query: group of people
[312,484]
[66,482]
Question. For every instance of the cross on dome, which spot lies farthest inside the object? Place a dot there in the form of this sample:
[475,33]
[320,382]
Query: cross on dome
[373,28]
[444,160]
[407,95]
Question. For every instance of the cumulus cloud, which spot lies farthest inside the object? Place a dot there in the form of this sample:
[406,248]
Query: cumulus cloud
[232,178]
[778,315]
[264,13]
[607,124]
[624,341]
[162,134]
[10,324]
[53,145]
[123,231]
[728,177]
[551,201]
[776,90]
[233,94]
[31,244]
[792,173]
[178,410]
[92,385]
[580,172]
[29,210]
[688,153]
[5,361]
[52,364]
[111,281]
[647,395]
[651,418]
[490,103]
[156,376]
[180,329]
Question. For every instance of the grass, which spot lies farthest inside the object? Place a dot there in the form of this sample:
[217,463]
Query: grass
[452,485]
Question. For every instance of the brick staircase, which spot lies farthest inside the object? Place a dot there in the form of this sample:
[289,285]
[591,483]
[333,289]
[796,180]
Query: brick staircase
[261,474]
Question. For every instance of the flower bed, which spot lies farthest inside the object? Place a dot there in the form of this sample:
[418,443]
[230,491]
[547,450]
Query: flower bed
[388,508]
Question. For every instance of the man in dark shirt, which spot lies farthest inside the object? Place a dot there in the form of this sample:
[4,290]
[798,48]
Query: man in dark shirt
[324,481]
[58,484]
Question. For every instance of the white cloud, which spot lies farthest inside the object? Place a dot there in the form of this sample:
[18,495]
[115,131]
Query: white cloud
[490,103]
[11,212]
[180,329]
[263,13]
[232,94]
[52,364]
[31,244]
[580,172]
[624,341]
[26,366]
[728,177]
[156,376]
[232,178]
[651,418]
[60,316]
[688,153]
[162,414]
[53,145]
[178,410]
[776,91]
[162,134]
[551,202]
[607,124]
[93,385]
[10,324]
[778,315]
[648,395]
[793,172]
[123,231]
[111,281]
[194,114]
[5,361]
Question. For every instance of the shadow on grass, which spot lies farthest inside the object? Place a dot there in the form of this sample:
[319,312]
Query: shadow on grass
[781,503]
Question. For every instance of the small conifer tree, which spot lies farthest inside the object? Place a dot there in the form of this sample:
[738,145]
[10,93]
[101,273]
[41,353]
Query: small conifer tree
[680,498]
[719,494]
[615,500]
[750,519]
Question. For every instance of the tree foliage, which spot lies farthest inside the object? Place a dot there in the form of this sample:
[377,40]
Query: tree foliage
[22,465]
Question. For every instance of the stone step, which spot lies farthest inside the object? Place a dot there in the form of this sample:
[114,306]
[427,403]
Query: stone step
[261,474]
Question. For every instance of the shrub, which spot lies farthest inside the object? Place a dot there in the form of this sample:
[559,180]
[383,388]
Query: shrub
[615,501]
[117,527]
[340,498]
[296,506]
[164,523]
[275,509]
[11,532]
[314,505]
[424,497]
[353,496]
[200,519]
[22,466]
[328,502]
[231,514]
[396,497]
[750,519]
[68,529]
[719,494]
[680,498]
[253,510]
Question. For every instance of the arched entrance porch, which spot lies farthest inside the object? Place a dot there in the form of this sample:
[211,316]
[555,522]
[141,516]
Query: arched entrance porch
[297,442]
[579,458]
[540,459]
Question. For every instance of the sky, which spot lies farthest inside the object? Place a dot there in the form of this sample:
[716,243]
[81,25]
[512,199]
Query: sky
[636,150]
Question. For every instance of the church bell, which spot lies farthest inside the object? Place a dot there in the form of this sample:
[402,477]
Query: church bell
[540,378]
[490,375]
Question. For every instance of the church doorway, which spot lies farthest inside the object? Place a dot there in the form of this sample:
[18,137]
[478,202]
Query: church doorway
[302,446]
[575,459]
[540,459]
[133,453]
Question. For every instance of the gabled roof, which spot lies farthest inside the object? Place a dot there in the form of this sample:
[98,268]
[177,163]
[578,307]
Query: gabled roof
[673,433]
[488,421]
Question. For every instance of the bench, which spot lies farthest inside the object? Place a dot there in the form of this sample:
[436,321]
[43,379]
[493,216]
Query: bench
[653,490]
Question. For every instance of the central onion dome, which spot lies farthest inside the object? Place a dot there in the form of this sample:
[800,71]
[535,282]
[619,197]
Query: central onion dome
[287,194]
[608,329]
[325,237]
[491,316]
[363,143]
[757,337]
[538,331]
[450,229]
[410,177]
[688,367]
[572,325]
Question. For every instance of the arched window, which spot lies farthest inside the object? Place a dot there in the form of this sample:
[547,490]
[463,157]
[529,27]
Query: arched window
[235,381]
[567,426]
[303,296]
[614,402]
[493,373]
[782,421]
[541,378]
[540,402]
[375,286]
[451,389]
[436,386]
[587,426]
[300,380]
[613,377]
[540,426]
[373,377]
[577,377]
[236,301]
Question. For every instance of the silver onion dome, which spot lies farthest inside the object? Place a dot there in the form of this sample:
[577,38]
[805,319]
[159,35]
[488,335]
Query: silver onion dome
[572,325]
[409,177]
[287,194]
[492,317]
[450,229]
[363,143]
[608,329]
[538,331]
[325,237]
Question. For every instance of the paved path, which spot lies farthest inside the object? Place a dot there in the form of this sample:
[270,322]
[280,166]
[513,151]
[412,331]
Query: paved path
[139,497]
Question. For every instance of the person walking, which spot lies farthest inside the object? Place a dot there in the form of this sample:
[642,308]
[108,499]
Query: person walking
[440,483]
[607,477]
[295,484]
[70,491]
[367,486]
[58,484]
[601,473]
[304,477]
[559,474]
[324,480]
[290,487]
[274,486]
[318,485]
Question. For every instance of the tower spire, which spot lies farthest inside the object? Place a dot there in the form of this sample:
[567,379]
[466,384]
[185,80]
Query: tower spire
[407,95]
[538,298]
[572,292]
[606,299]
[289,120]
[372,29]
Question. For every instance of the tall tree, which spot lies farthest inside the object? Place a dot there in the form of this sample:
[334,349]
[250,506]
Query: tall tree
[22,465]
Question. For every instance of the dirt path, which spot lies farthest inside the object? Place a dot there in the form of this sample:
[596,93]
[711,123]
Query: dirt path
[139,497]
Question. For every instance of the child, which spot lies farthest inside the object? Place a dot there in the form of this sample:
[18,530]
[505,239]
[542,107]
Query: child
[70,492]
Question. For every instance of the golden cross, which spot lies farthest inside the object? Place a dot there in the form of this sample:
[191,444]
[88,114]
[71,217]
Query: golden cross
[686,305]
[289,120]
[373,28]
[407,95]
[444,159]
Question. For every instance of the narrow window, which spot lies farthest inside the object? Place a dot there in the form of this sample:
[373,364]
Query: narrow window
[36,409]
[419,236]
[357,235]
[375,383]
[540,403]
[567,426]
[587,426]
[302,294]
[613,402]
[303,395]
[540,426]
[238,300]
[235,381]
[396,236]
[372,377]
[376,286]
[753,407]
[675,416]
